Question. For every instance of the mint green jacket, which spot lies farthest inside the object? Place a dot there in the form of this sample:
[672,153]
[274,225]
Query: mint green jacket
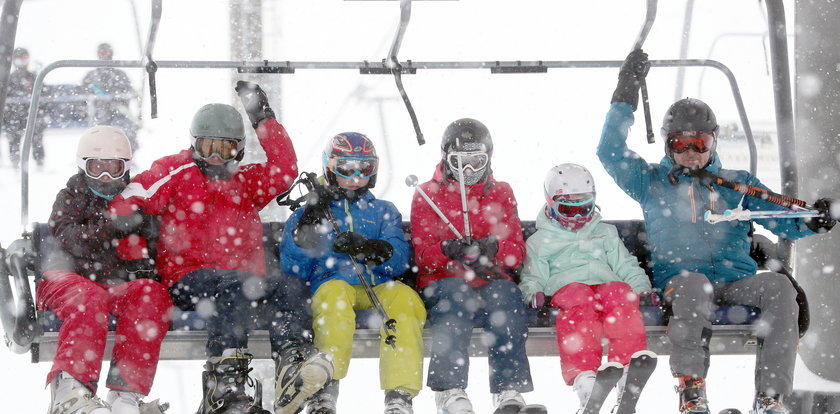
[592,255]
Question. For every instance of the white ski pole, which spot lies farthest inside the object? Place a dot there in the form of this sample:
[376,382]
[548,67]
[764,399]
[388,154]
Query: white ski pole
[463,196]
[411,181]
[741,214]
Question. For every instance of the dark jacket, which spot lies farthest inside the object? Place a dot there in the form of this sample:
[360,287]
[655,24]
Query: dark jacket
[82,235]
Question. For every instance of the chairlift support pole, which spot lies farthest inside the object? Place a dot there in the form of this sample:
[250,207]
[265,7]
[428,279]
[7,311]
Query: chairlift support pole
[9,17]
[650,16]
[396,68]
[148,61]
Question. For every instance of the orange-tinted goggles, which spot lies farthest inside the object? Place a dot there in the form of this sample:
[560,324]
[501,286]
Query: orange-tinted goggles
[701,141]
[226,149]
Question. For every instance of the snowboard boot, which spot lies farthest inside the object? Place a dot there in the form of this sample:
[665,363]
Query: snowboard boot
[453,401]
[583,385]
[69,396]
[324,401]
[769,404]
[398,402]
[224,383]
[508,402]
[301,371]
[127,402]
[692,391]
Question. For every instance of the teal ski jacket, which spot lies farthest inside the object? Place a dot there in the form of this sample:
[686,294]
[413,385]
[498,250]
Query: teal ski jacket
[680,239]
[592,255]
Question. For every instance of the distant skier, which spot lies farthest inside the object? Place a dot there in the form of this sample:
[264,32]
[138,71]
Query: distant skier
[465,276]
[16,110]
[581,265]
[697,264]
[210,252]
[371,232]
[84,281]
[114,92]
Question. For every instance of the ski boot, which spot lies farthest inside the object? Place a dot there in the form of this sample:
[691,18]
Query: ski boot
[301,371]
[69,396]
[223,385]
[453,401]
[692,391]
[324,401]
[769,404]
[398,402]
[127,402]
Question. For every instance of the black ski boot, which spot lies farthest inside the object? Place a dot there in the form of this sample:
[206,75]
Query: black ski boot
[224,381]
[301,372]
[323,402]
[692,392]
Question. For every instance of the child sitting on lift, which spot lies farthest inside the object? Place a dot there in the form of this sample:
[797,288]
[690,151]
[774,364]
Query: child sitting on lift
[584,270]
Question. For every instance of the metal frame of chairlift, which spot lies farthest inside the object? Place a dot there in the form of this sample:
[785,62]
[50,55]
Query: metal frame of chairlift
[392,65]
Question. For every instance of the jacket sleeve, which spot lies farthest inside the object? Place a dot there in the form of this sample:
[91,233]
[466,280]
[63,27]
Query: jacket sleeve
[511,252]
[293,259]
[75,233]
[427,231]
[535,272]
[625,265]
[629,170]
[280,170]
[392,232]
[787,228]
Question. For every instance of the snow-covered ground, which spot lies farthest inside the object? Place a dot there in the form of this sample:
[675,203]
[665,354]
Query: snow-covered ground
[537,121]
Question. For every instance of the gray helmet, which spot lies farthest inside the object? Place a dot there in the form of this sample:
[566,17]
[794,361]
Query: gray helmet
[217,121]
[464,131]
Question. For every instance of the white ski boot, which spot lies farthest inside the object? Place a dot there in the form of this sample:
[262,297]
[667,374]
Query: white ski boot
[127,402]
[69,396]
[453,401]
[508,402]
[583,385]
[398,402]
[224,382]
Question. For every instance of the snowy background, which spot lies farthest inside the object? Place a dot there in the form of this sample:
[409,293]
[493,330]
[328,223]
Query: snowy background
[537,121]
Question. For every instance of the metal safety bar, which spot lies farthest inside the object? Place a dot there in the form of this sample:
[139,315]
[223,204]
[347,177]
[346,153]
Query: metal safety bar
[290,67]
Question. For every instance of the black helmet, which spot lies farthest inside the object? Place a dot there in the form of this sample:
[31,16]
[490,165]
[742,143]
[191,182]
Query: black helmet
[466,131]
[20,52]
[688,114]
[20,58]
[105,51]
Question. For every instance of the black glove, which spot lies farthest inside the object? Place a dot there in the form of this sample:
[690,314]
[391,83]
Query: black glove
[373,251]
[461,250]
[321,195]
[634,68]
[255,102]
[488,247]
[825,221]
[141,269]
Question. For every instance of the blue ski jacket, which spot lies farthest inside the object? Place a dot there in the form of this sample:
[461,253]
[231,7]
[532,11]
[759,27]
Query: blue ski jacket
[680,239]
[368,216]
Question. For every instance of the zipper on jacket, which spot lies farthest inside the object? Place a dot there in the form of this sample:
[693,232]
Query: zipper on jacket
[693,205]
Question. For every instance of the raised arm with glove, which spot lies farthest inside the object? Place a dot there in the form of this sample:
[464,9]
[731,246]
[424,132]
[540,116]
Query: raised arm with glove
[254,101]
[826,221]
[634,68]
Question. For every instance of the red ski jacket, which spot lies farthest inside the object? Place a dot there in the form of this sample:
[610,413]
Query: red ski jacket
[209,224]
[492,210]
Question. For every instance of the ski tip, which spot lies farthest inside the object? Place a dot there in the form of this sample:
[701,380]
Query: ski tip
[644,353]
[609,365]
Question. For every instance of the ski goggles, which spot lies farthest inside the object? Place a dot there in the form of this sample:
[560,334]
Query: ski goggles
[349,167]
[474,160]
[573,208]
[96,168]
[226,149]
[701,141]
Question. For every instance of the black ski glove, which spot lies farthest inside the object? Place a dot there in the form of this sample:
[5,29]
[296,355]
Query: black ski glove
[825,221]
[461,250]
[255,102]
[634,68]
[488,247]
[141,269]
[373,251]
[321,195]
